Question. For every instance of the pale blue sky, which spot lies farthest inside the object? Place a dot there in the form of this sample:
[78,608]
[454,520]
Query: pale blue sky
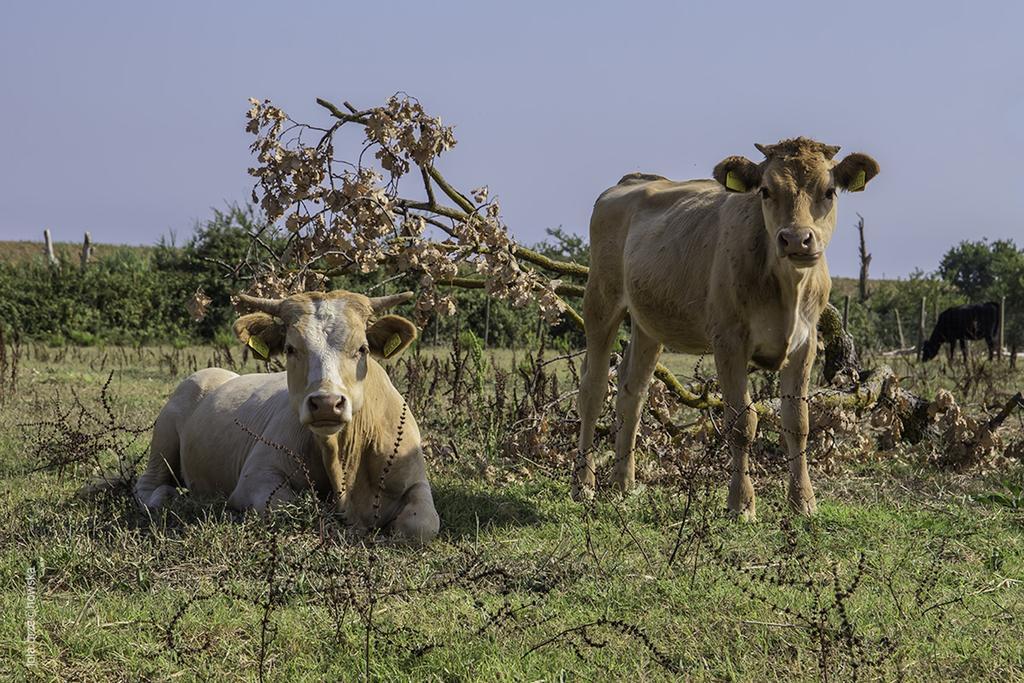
[127,119]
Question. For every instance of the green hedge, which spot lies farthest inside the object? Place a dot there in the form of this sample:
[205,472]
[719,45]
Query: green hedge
[121,299]
[133,297]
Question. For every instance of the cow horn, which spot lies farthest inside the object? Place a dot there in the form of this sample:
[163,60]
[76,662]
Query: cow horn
[381,303]
[270,306]
[830,150]
[766,150]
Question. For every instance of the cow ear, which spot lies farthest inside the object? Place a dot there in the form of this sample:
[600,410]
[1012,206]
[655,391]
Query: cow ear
[262,333]
[738,174]
[389,336]
[854,171]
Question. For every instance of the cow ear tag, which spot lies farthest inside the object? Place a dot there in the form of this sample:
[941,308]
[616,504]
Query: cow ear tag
[733,183]
[393,343]
[858,182]
[259,347]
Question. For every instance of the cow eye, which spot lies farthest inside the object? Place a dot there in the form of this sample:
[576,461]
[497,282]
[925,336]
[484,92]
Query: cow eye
[765,194]
[289,349]
[364,349]
[830,193]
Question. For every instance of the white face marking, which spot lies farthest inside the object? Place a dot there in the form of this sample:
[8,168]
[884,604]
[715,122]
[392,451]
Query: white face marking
[326,361]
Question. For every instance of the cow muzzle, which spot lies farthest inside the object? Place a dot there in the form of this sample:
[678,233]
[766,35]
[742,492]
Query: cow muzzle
[327,413]
[799,245]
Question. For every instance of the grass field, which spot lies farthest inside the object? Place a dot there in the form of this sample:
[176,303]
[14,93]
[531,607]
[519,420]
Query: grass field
[22,251]
[907,572]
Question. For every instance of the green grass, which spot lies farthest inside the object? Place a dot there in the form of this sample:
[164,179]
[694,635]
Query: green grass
[937,595]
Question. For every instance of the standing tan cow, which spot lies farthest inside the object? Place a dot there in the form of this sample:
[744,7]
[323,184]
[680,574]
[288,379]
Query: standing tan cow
[333,420]
[733,266]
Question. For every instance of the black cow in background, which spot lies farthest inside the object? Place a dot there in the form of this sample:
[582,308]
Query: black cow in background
[960,323]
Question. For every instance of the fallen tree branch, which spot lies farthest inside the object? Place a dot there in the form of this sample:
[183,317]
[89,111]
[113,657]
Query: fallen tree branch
[354,212]
[1016,401]
[473,283]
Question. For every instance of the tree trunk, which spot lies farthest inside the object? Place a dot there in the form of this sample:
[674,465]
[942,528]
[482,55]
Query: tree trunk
[865,261]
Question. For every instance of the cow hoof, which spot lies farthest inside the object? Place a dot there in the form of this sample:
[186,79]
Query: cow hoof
[742,503]
[623,483]
[584,480]
[410,530]
[582,493]
[157,498]
[801,496]
[745,513]
[803,505]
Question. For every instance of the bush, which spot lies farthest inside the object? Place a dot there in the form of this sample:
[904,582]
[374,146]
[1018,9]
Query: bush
[125,297]
[874,325]
[119,298]
[989,271]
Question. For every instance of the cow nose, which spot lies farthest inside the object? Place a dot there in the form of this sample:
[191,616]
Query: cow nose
[796,241]
[326,407]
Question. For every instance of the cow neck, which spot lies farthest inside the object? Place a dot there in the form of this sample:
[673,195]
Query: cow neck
[343,453]
[803,291]
[790,280]
[778,276]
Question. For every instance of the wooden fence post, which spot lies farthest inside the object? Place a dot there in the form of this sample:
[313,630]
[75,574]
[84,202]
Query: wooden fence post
[920,328]
[48,248]
[899,329]
[487,320]
[86,250]
[1002,326]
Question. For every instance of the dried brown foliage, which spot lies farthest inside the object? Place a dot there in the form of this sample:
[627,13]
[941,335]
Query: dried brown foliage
[354,216]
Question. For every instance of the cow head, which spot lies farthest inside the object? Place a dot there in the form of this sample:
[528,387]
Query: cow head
[797,184]
[930,349]
[327,340]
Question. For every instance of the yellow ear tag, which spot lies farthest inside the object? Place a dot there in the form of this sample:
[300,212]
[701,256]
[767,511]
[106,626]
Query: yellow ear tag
[733,183]
[858,182]
[393,343]
[259,347]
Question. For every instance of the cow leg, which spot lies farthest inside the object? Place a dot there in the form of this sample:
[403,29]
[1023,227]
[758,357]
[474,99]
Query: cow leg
[602,322]
[417,522]
[963,350]
[794,379]
[260,484]
[163,471]
[638,365]
[740,426]
[261,495]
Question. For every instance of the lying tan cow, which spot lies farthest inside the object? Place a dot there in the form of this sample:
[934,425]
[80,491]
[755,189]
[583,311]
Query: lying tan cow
[734,266]
[333,419]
